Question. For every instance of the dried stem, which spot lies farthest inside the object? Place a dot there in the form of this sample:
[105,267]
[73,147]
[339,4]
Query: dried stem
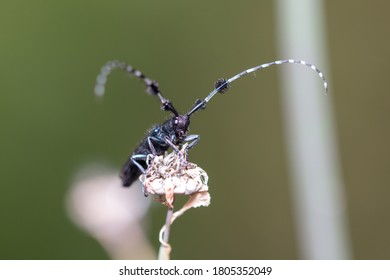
[168,222]
[165,248]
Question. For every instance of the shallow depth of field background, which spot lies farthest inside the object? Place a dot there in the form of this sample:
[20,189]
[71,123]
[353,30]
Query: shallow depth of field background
[51,124]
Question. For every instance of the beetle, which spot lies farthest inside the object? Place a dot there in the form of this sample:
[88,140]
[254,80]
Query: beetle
[173,132]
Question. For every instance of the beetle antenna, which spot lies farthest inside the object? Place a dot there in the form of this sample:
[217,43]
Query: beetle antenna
[151,85]
[223,85]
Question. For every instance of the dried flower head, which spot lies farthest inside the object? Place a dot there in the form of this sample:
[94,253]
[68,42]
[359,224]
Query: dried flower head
[172,174]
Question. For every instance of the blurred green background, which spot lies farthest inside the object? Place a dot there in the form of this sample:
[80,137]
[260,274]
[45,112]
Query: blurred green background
[51,124]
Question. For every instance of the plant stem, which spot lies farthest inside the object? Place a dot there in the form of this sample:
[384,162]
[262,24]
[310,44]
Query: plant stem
[168,224]
[165,248]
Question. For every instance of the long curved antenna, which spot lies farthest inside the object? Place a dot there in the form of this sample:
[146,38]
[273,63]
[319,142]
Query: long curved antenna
[151,85]
[222,85]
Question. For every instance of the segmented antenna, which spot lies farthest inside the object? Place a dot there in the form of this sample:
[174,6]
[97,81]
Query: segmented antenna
[223,85]
[151,85]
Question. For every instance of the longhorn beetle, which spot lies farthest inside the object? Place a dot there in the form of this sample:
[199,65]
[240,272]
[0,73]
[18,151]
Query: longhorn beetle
[173,132]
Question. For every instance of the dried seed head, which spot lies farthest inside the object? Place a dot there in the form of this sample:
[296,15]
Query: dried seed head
[172,174]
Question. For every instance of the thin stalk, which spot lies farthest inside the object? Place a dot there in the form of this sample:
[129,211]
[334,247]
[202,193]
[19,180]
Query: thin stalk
[165,248]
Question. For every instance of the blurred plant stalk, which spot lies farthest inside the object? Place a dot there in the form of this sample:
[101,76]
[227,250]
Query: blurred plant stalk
[318,191]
